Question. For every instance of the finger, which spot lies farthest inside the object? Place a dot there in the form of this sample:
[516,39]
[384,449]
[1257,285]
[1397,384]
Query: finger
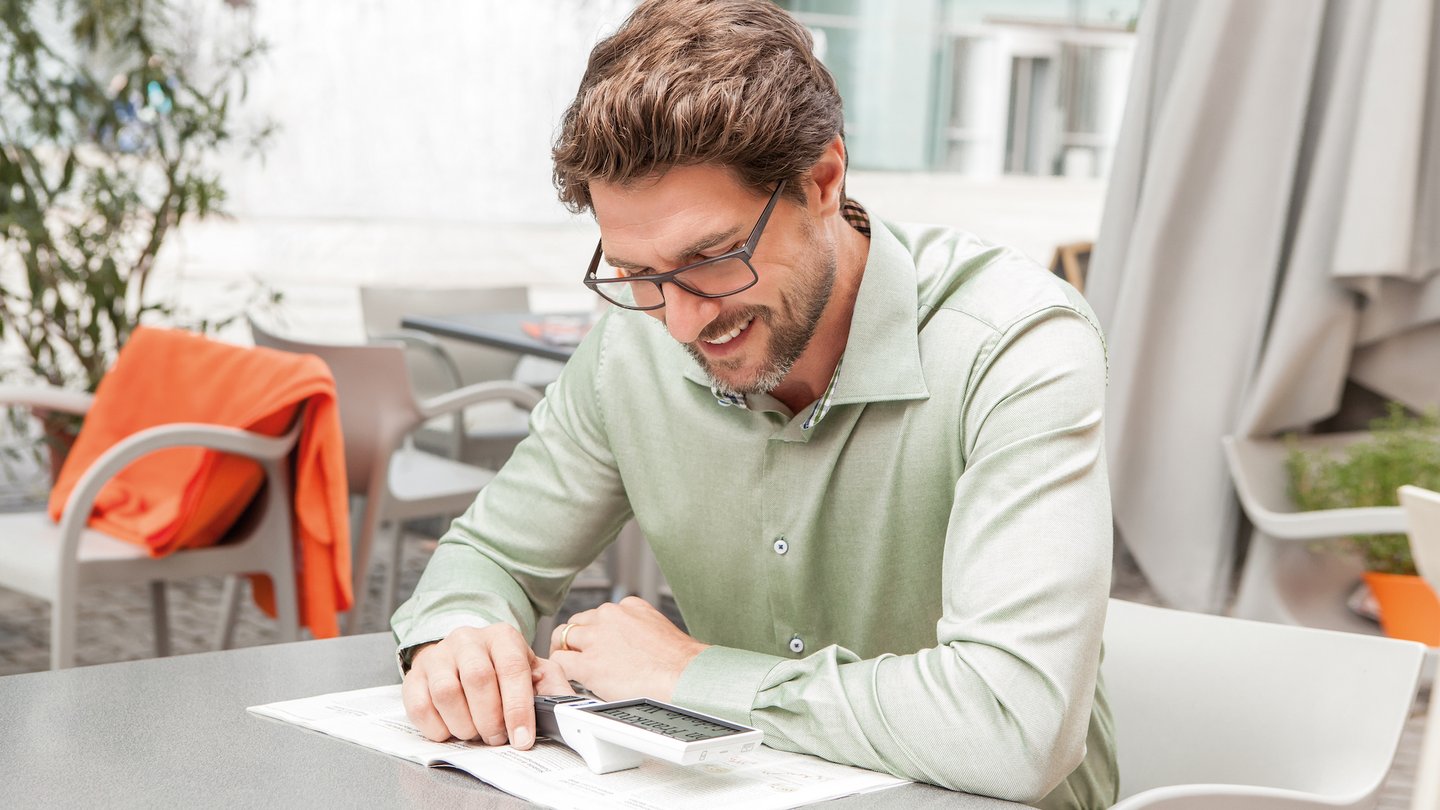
[448,696]
[550,679]
[564,638]
[513,667]
[415,694]
[482,696]
[571,665]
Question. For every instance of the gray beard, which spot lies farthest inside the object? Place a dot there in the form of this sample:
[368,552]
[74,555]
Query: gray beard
[788,340]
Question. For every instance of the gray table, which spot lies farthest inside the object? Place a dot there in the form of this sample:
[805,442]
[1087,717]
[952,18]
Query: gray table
[502,330]
[174,732]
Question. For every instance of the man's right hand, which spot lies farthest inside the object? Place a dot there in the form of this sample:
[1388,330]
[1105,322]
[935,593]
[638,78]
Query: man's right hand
[479,682]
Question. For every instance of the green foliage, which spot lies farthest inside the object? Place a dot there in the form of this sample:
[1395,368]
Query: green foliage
[107,143]
[1402,449]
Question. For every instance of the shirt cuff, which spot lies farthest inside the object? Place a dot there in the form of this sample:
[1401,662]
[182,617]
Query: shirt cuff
[723,681]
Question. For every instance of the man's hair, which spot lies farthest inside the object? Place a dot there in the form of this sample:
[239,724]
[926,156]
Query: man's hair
[732,83]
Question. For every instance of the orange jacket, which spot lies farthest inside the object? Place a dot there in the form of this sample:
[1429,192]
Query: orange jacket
[189,497]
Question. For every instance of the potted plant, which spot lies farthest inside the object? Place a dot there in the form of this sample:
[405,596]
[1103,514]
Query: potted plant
[1401,449]
[110,122]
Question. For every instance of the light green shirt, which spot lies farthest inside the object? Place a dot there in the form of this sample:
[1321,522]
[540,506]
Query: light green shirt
[916,584]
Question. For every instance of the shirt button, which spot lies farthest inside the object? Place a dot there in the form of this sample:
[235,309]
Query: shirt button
[797,645]
[780,545]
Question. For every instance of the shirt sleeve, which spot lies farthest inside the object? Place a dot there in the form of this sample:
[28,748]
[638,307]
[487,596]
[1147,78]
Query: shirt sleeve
[1001,705]
[548,513]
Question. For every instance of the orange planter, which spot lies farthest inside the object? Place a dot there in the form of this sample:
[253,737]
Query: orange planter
[1409,608]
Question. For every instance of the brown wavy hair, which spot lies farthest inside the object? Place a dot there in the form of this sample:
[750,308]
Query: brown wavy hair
[731,83]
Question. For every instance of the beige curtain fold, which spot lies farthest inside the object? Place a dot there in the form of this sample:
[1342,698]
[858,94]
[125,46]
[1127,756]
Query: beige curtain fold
[1270,232]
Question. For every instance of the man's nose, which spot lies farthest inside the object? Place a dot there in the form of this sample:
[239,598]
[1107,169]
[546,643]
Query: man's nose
[686,315]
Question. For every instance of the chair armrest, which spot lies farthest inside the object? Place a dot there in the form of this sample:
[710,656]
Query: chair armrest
[46,397]
[1257,468]
[452,401]
[162,437]
[1251,797]
[428,343]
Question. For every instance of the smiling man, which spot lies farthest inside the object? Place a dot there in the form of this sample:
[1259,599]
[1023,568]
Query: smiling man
[868,456]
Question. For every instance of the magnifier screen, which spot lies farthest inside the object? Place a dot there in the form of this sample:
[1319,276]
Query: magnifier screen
[667,721]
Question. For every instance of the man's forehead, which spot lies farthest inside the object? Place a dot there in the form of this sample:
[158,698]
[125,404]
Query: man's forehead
[661,218]
[696,189]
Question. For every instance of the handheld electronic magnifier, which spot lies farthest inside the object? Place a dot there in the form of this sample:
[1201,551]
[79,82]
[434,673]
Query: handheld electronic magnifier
[620,734]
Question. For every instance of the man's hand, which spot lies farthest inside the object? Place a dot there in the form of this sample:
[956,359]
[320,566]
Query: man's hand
[479,682]
[624,650]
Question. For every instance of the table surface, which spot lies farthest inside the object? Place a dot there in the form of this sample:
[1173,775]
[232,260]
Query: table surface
[503,330]
[174,732]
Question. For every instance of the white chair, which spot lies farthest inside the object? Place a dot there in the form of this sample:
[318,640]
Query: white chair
[397,481]
[1284,580]
[1422,507]
[484,435]
[487,434]
[1214,713]
[52,562]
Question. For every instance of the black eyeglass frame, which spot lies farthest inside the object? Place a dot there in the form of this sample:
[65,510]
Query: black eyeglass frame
[744,253]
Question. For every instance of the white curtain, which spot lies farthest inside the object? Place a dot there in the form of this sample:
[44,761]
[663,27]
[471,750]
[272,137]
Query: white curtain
[1272,229]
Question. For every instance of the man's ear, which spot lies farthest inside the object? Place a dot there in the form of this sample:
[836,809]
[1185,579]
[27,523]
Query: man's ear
[825,186]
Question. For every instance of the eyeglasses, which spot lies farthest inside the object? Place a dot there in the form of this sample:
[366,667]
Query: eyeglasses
[715,277]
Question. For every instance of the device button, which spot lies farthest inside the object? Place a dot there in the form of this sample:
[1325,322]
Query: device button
[797,645]
[780,545]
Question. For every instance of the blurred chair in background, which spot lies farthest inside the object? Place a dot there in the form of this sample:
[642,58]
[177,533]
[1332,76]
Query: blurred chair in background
[1284,580]
[1215,713]
[182,469]
[397,481]
[1422,508]
[483,435]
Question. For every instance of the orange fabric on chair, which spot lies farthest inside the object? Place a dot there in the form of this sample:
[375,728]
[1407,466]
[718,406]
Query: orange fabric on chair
[189,497]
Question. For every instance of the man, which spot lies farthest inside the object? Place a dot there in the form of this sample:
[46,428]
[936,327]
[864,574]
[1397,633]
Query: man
[868,457]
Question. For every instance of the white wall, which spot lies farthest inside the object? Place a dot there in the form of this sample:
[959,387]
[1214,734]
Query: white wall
[441,110]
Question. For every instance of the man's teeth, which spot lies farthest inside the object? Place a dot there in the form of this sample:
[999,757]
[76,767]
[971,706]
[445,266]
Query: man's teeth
[732,334]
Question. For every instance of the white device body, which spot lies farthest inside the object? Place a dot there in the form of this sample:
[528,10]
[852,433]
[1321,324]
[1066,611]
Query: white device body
[607,744]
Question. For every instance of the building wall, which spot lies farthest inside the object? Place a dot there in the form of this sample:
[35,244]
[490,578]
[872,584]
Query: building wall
[441,111]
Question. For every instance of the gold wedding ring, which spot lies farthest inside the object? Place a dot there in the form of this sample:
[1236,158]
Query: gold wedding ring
[565,638]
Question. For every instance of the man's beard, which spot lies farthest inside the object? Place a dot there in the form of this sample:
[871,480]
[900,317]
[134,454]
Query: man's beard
[791,329]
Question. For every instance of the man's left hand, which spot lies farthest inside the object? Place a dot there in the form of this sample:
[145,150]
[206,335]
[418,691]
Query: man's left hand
[623,650]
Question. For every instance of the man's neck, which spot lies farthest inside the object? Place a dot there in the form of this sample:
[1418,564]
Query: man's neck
[813,370]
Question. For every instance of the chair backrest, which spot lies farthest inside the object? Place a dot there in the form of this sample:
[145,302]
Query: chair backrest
[1422,508]
[377,407]
[383,308]
[1201,699]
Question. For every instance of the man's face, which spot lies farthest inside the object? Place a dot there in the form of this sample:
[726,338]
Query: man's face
[746,342]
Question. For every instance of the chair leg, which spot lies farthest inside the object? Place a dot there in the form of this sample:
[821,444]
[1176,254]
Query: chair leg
[62,631]
[544,628]
[287,605]
[364,542]
[229,612]
[396,531]
[160,615]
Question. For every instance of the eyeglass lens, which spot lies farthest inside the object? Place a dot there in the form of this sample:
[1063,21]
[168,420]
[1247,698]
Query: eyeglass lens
[715,278]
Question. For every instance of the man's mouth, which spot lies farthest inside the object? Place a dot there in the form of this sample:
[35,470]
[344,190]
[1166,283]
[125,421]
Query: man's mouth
[732,334]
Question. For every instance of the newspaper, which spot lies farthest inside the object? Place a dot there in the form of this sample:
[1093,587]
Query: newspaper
[553,775]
